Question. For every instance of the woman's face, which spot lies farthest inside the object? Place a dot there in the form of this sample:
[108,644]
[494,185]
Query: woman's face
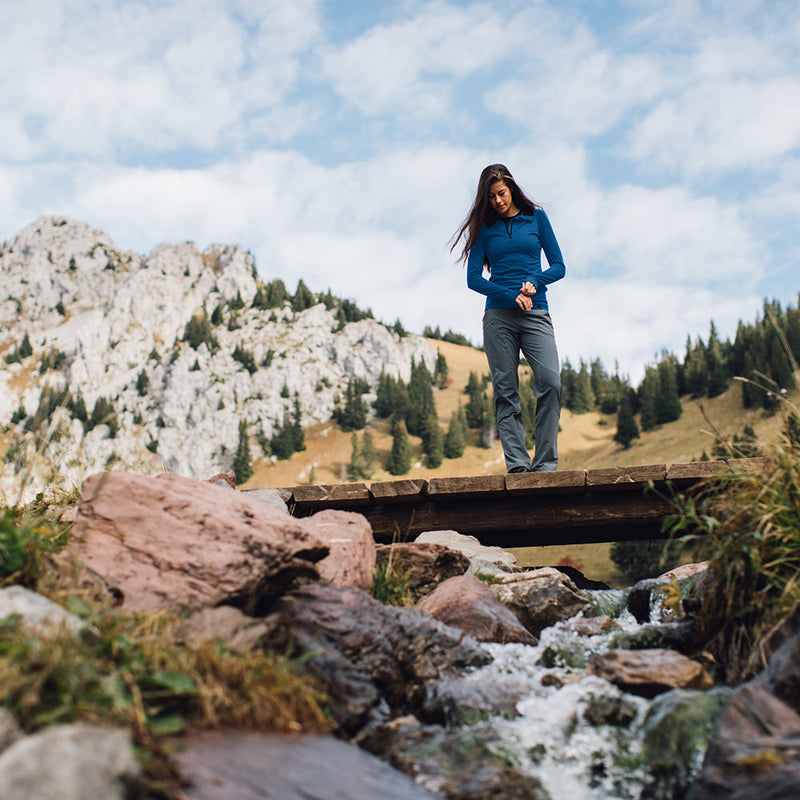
[500,199]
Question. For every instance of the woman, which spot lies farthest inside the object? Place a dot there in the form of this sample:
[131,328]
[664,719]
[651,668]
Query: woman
[506,233]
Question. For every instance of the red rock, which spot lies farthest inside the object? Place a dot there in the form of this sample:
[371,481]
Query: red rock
[465,602]
[650,672]
[351,560]
[181,543]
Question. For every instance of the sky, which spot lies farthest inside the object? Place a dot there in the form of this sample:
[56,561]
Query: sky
[341,142]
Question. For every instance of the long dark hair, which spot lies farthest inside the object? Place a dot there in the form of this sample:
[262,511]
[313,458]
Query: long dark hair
[482,210]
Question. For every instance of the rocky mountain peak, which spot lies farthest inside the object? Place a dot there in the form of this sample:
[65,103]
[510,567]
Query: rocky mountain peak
[181,344]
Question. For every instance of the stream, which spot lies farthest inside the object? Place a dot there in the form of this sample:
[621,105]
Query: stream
[581,737]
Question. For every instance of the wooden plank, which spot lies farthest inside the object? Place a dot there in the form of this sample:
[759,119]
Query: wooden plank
[479,485]
[552,482]
[690,472]
[331,495]
[403,491]
[615,478]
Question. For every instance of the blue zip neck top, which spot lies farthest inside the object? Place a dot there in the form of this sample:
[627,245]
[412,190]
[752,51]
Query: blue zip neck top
[512,248]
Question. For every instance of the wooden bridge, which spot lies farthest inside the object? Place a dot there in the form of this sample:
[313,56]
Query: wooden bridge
[521,510]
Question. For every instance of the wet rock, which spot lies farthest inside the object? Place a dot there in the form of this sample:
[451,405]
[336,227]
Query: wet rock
[371,659]
[173,541]
[681,635]
[756,752]
[607,710]
[351,557]
[650,672]
[37,612]
[465,602]
[460,701]
[782,675]
[226,625]
[640,600]
[591,626]
[239,765]
[540,598]
[458,763]
[677,729]
[70,762]
[424,564]
[482,559]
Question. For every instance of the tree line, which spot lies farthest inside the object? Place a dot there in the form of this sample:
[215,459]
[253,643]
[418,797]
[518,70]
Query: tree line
[762,357]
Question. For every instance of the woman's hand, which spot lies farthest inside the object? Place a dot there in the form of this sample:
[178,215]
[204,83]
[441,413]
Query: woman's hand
[524,302]
[528,289]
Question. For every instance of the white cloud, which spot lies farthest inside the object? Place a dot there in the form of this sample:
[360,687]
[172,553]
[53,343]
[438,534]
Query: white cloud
[410,67]
[92,81]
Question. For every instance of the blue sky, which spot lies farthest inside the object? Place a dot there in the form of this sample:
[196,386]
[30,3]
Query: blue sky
[341,143]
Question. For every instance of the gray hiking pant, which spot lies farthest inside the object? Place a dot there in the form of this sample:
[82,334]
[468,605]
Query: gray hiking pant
[506,331]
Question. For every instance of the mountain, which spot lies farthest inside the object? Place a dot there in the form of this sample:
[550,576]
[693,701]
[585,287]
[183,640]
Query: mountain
[151,362]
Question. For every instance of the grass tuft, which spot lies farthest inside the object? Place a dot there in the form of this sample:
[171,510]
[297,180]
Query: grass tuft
[748,522]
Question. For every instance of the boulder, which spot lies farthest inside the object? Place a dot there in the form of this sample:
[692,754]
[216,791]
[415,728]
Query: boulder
[650,672]
[244,765]
[372,660]
[181,543]
[756,751]
[270,497]
[37,612]
[465,602]
[482,559]
[351,545]
[423,564]
[540,597]
[70,762]
[462,763]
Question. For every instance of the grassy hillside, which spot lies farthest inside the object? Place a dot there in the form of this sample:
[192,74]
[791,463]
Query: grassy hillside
[585,441]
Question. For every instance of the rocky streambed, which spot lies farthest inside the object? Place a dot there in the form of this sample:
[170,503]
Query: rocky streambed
[499,683]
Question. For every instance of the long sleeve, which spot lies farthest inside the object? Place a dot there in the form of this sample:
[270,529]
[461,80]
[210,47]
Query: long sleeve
[496,294]
[556,267]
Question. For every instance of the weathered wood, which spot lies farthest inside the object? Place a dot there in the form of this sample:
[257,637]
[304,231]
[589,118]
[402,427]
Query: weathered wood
[528,509]
[691,472]
[475,486]
[626,478]
[339,494]
[404,491]
[550,482]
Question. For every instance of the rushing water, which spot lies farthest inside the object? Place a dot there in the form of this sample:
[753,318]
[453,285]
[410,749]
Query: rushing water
[560,738]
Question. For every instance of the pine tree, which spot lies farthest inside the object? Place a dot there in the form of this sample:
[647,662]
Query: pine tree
[476,408]
[440,372]
[648,392]
[369,454]
[400,456]
[696,372]
[242,466]
[668,401]
[421,404]
[355,469]
[717,371]
[433,442]
[385,395]
[303,297]
[627,429]
[569,381]
[298,436]
[455,441]
[353,417]
[583,398]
